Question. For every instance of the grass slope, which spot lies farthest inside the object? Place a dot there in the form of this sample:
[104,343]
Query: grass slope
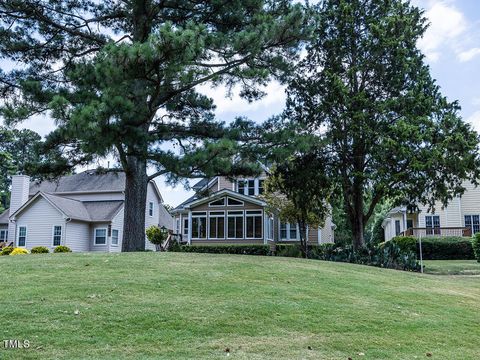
[452,267]
[150,305]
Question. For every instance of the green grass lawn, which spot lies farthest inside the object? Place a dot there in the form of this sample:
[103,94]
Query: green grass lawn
[452,267]
[195,306]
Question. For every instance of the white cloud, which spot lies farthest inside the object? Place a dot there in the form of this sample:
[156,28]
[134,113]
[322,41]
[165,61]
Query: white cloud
[447,23]
[476,101]
[474,119]
[274,98]
[468,54]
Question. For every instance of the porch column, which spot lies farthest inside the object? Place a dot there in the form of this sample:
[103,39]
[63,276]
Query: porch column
[189,227]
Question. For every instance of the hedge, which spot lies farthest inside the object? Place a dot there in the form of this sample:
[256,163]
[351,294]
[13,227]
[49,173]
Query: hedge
[438,248]
[476,246]
[225,249]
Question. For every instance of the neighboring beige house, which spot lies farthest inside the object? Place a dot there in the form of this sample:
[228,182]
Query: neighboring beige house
[460,218]
[82,211]
[231,212]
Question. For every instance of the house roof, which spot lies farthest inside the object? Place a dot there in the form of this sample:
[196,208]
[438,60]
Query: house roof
[4,217]
[87,181]
[90,211]
[225,192]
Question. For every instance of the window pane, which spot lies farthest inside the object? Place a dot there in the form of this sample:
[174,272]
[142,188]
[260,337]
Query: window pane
[249,226]
[231,227]
[241,186]
[100,236]
[203,227]
[219,202]
[57,235]
[258,227]
[283,231]
[260,187]
[239,227]
[221,227]
[251,187]
[234,202]
[115,237]
[213,227]
[293,231]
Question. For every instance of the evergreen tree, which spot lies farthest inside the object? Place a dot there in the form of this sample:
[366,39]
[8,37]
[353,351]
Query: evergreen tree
[364,90]
[120,77]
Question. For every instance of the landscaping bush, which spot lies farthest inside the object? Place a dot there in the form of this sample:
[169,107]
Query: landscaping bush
[19,251]
[288,250]
[39,250]
[446,248]
[226,249]
[406,243]
[62,249]
[6,250]
[476,246]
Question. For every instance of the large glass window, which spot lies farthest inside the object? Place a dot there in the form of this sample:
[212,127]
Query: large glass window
[432,223]
[288,231]
[57,235]
[100,236]
[253,220]
[235,225]
[3,235]
[199,225]
[217,225]
[114,237]
[473,222]
[22,235]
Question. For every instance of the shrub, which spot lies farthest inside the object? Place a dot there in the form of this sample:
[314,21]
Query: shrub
[155,235]
[39,250]
[446,248]
[226,249]
[62,249]
[288,250]
[406,243]
[19,251]
[6,250]
[476,246]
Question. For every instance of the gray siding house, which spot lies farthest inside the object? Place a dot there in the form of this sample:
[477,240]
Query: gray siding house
[82,211]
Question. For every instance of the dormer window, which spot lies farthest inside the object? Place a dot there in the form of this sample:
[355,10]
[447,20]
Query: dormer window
[251,187]
[150,209]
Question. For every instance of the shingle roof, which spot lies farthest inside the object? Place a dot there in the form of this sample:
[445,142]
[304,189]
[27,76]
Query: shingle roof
[4,217]
[87,181]
[72,208]
[85,211]
[103,210]
[200,184]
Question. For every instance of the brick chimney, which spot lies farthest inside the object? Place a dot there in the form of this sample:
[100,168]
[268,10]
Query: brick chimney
[18,197]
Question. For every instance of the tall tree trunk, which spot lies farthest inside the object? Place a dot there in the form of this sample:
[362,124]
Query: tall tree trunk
[303,239]
[136,182]
[357,221]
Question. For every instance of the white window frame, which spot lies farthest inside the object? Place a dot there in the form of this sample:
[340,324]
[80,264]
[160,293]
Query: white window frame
[269,232]
[223,205]
[216,216]
[53,234]
[196,215]
[241,202]
[471,222]
[229,215]
[95,236]
[118,237]
[256,186]
[18,236]
[288,238]
[253,214]
[151,208]
[5,236]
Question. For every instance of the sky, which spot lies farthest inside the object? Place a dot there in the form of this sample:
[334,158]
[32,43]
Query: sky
[452,49]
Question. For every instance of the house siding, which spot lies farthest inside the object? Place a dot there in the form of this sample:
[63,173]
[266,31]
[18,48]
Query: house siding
[39,219]
[225,183]
[117,224]
[152,220]
[77,236]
